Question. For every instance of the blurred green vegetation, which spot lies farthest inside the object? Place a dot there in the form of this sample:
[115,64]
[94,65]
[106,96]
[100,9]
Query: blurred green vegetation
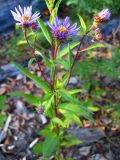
[16,48]
[100,79]
[87,8]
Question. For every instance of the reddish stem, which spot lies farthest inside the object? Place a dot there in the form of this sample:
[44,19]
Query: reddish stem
[33,52]
[53,85]
[77,54]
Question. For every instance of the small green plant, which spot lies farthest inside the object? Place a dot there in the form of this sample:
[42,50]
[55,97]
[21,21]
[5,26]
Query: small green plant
[3,107]
[59,104]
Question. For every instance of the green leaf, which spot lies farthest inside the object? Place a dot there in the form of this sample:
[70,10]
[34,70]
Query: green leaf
[74,91]
[47,60]
[71,143]
[64,80]
[2,120]
[93,108]
[73,117]
[2,99]
[54,11]
[3,107]
[21,42]
[48,102]
[34,100]
[65,50]
[93,46]
[83,25]
[45,30]
[50,144]
[41,83]
[64,63]
[75,109]
[30,62]
[37,149]
[58,121]
[67,96]
[47,3]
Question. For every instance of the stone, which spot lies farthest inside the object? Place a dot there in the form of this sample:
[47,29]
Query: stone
[8,70]
[19,77]
[20,108]
[87,135]
[95,157]
[103,158]
[3,135]
[108,28]
[109,155]
[73,80]
[85,150]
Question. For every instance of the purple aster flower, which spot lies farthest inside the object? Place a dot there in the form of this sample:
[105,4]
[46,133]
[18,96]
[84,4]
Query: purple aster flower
[62,30]
[24,17]
[102,16]
[105,14]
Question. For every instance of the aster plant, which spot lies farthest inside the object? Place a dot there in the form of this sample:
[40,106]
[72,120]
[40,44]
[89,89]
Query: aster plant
[58,103]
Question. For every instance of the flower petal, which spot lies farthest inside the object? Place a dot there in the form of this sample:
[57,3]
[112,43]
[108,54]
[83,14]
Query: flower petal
[66,22]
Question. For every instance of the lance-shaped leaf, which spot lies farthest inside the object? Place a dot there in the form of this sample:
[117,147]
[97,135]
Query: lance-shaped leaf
[65,50]
[58,121]
[30,62]
[48,4]
[64,63]
[75,109]
[34,100]
[41,83]
[50,144]
[67,96]
[72,117]
[45,31]
[93,46]
[83,25]
[54,11]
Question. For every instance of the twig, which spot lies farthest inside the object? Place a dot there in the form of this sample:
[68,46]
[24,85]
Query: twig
[33,143]
[7,123]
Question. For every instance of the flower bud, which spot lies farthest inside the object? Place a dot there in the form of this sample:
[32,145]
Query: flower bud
[34,26]
[101,17]
[99,36]
[40,110]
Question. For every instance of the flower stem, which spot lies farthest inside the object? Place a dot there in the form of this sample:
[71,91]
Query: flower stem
[53,86]
[77,54]
[33,52]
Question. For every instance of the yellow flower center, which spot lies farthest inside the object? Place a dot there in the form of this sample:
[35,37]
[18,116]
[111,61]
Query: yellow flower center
[26,18]
[62,29]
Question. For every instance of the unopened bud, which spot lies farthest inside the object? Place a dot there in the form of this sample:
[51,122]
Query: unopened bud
[40,110]
[99,36]
[101,17]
